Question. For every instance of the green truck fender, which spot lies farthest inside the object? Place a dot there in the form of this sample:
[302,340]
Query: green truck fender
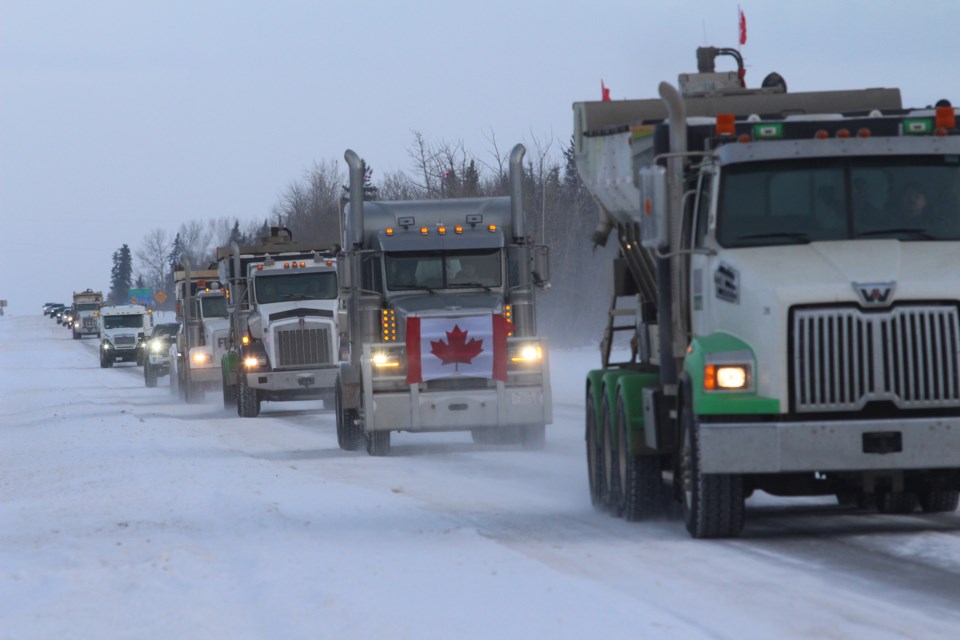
[724,347]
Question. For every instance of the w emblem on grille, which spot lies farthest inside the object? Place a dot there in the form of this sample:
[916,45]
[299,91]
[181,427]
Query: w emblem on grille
[875,294]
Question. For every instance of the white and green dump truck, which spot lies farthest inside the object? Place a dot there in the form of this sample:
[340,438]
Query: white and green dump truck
[786,296]
[442,331]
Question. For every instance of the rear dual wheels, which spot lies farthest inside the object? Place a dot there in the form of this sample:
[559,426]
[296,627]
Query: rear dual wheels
[595,469]
[639,477]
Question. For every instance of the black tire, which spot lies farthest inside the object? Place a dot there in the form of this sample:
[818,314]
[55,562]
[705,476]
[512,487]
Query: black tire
[609,492]
[105,361]
[378,443]
[594,457]
[248,401]
[149,375]
[349,432]
[939,501]
[713,504]
[641,480]
[897,502]
[533,437]
[76,336]
[856,500]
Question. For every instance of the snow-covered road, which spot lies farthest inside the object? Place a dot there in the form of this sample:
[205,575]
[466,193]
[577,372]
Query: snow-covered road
[124,513]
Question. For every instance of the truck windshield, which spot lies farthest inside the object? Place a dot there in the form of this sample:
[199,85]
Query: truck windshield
[296,286]
[214,307]
[443,269]
[88,307]
[800,201]
[123,322]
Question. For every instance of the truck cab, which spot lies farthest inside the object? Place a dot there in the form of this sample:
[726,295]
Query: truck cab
[442,321]
[283,341]
[122,329]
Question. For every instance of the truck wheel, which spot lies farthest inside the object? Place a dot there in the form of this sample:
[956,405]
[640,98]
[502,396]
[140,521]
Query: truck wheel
[76,336]
[378,443]
[105,361]
[248,402]
[640,476]
[609,492]
[349,433]
[533,437]
[149,375]
[229,393]
[939,501]
[174,378]
[713,503]
[594,457]
[192,393]
[897,502]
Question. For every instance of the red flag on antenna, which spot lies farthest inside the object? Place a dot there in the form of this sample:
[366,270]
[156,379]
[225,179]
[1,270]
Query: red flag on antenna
[743,28]
[604,92]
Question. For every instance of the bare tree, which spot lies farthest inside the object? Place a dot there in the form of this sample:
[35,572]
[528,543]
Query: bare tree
[152,257]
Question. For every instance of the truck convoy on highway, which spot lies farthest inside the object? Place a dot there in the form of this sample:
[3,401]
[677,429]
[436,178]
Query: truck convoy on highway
[442,331]
[122,328]
[283,342]
[201,310]
[787,279]
[86,308]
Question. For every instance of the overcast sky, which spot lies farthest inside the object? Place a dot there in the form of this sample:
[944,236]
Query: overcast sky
[120,116]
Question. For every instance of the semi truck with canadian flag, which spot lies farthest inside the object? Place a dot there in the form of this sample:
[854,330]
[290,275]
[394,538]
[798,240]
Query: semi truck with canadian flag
[442,326]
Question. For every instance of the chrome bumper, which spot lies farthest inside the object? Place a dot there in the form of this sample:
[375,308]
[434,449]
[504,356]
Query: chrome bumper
[318,380]
[836,445]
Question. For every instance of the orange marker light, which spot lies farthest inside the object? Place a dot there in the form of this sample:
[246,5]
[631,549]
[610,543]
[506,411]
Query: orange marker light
[821,134]
[726,124]
[710,377]
[458,229]
[442,231]
[259,267]
[843,133]
[389,231]
[863,133]
[424,231]
[946,118]
[492,228]
[245,340]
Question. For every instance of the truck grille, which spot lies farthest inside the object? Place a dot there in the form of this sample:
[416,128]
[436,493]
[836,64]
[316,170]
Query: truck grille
[125,341]
[844,358]
[303,347]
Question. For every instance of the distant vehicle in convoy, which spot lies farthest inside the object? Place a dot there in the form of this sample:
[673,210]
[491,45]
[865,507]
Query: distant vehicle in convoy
[122,328]
[441,302]
[86,308]
[200,344]
[793,315]
[48,307]
[56,312]
[156,358]
[284,340]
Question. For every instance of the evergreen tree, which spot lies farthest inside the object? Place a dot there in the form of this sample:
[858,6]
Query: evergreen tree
[121,275]
[471,180]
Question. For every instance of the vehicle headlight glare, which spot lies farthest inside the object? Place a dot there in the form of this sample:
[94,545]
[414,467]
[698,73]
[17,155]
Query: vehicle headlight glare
[528,353]
[382,360]
[251,362]
[731,377]
[201,358]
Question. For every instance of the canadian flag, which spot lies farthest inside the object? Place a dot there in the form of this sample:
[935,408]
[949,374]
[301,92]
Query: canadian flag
[465,345]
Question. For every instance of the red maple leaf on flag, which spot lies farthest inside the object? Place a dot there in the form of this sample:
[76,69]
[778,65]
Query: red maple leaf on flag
[456,348]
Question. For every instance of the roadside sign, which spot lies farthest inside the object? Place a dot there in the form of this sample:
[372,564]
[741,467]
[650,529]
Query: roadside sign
[141,296]
[160,297]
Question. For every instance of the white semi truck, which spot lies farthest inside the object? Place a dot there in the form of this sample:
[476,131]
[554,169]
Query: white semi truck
[284,341]
[86,308]
[786,276]
[195,355]
[122,328]
[442,331]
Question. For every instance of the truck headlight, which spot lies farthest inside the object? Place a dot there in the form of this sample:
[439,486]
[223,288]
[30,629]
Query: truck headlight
[157,346]
[199,357]
[384,361]
[731,371]
[252,362]
[528,353]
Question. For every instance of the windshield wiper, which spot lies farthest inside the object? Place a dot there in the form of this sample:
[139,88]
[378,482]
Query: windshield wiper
[913,231]
[467,285]
[787,235]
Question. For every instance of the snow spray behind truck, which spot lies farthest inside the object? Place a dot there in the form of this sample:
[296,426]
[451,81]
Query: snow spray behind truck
[284,316]
[442,327]
[787,279]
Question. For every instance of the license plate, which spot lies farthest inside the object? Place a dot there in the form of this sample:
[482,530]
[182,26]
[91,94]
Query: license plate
[526,397]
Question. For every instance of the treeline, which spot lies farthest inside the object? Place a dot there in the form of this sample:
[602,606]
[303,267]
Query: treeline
[560,213]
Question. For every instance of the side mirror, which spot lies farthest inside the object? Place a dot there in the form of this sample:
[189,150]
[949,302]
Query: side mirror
[654,231]
[345,272]
[541,265]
